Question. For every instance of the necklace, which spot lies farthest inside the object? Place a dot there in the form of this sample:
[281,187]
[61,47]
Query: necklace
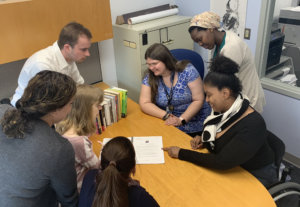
[170,107]
[219,48]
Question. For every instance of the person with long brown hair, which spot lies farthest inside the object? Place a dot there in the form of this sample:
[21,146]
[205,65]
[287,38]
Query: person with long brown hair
[36,163]
[79,124]
[173,91]
[112,185]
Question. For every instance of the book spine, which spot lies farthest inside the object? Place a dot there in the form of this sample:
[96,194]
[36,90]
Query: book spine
[112,100]
[97,126]
[107,114]
[124,100]
[125,103]
[101,120]
[119,101]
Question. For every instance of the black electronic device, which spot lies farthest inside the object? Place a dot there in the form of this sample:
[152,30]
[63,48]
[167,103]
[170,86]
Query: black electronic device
[145,39]
[275,48]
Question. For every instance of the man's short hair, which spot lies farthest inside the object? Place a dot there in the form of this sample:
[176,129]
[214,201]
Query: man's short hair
[70,34]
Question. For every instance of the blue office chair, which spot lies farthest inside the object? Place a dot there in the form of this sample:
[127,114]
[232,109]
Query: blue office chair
[192,56]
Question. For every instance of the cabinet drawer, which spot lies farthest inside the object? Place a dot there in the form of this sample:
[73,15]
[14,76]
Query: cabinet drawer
[175,36]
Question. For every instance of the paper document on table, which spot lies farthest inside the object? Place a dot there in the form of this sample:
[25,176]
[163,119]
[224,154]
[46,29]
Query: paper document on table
[148,150]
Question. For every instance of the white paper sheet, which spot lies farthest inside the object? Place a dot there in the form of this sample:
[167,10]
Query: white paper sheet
[147,149]
[151,16]
[297,9]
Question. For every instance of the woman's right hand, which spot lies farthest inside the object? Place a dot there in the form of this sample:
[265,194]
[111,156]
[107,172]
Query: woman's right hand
[173,121]
[196,142]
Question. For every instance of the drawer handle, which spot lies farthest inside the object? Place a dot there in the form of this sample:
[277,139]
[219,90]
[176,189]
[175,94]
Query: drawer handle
[168,42]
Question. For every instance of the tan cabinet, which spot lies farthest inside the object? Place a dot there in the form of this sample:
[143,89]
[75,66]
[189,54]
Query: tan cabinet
[131,42]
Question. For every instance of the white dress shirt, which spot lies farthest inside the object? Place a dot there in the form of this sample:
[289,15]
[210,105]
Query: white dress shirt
[49,58]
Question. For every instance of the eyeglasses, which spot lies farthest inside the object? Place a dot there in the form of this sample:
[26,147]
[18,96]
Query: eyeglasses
[152,64]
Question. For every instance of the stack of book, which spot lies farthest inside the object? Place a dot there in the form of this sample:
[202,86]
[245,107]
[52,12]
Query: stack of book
[114,107]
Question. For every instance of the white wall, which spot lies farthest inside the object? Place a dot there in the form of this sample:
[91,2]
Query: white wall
[252,20]
[192,8]
[282,115]
[107,59]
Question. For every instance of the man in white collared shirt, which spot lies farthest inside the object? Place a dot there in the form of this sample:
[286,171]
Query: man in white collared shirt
[72,47]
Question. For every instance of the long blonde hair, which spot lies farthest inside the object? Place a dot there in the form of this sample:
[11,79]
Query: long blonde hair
[80,116]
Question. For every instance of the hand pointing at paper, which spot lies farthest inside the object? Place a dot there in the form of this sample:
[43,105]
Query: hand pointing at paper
[172,151]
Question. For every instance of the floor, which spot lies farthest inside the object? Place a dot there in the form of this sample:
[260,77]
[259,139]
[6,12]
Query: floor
[295,172]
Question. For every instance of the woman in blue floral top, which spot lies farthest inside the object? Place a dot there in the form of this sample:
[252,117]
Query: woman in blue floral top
[173,91]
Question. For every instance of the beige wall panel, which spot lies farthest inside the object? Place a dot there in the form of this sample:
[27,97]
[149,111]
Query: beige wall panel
[31,25]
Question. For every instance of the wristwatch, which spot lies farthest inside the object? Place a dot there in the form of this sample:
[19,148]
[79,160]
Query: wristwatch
[166,116]
[183,121]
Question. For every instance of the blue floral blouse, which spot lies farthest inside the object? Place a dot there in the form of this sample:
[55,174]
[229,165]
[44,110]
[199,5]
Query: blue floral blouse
[182,98]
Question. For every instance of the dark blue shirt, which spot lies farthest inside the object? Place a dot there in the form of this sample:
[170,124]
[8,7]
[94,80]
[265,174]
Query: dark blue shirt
[138,196]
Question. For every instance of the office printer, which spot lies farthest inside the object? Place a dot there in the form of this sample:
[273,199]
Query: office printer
[289,18]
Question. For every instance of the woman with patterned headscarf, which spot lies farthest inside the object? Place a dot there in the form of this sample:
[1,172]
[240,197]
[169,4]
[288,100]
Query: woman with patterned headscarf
[205,30]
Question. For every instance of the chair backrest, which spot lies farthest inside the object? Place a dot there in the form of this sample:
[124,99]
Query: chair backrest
[192,56]
[278,148]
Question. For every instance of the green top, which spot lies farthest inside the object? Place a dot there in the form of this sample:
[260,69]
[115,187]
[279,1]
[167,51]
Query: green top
[218,49]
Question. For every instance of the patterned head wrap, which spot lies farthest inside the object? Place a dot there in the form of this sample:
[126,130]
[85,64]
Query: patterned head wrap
[208,20]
